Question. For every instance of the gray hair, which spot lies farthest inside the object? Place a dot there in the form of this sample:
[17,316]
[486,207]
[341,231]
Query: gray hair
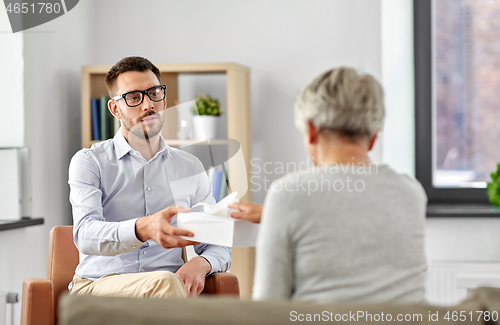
[342,100]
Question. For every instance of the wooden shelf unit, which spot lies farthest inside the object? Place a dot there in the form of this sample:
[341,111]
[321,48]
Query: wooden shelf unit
[238,128]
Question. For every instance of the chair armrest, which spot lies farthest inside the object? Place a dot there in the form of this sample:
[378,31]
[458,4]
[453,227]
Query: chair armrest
[37,306]
[222,284]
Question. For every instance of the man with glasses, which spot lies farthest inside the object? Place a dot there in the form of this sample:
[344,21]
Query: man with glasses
[125,194]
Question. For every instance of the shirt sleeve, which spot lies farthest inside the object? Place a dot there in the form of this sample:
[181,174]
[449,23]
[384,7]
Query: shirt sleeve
[92,234]
[274,272]
[219,257]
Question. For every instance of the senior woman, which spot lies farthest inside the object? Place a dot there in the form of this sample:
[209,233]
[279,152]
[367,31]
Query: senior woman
[345,229]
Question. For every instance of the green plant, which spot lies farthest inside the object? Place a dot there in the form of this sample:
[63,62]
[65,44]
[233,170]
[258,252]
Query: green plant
[207,105]
[493,187]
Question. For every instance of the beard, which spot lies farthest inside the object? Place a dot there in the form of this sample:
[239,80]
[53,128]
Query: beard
[142,130]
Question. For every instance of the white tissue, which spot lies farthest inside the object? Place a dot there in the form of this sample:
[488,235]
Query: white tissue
[220,209]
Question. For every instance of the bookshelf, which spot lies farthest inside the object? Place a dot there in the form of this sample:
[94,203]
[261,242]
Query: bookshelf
[238,128]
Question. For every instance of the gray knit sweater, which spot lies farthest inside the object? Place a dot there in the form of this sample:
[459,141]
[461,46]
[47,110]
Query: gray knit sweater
[342,233]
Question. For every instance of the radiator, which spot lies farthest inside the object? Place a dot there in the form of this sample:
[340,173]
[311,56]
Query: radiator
[449,282]
[5,299]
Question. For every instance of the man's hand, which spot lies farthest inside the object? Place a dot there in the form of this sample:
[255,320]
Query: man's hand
[158,228]
[248,211]
[193,274]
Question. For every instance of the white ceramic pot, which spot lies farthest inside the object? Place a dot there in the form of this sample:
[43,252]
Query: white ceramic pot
[205,127]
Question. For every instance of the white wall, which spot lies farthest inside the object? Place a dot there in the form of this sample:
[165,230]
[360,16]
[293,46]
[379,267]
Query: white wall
[53,55]
[11,135]
[398,80]
[11,85]
[285,43]
[448,239]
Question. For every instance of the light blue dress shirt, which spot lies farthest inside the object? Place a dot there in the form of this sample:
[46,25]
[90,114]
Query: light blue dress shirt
[112,185]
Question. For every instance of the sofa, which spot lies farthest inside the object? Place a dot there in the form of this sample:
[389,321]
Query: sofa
[482,308]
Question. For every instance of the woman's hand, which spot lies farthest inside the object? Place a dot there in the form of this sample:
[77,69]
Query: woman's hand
[247,211]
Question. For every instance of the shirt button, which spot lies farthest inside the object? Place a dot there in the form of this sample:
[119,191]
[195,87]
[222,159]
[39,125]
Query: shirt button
[144,253]
[147,164]
[149,188]
[142,270]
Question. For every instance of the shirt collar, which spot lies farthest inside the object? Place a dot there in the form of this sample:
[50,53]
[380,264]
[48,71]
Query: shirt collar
[164,147]
[122,147]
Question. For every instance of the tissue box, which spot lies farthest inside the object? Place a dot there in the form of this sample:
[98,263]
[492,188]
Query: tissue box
[216,230]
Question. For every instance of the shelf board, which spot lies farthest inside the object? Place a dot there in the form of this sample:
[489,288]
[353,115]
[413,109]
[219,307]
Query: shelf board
[23,222]
[462,210]
[178,68]
[182,143]
[178,143]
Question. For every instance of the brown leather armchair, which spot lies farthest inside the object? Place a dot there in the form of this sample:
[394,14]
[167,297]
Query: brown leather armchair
[40,296]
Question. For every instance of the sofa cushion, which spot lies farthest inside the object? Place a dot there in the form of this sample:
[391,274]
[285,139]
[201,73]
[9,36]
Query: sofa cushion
[90,310]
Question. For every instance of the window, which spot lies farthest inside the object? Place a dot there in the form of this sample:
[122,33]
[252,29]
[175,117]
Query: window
[457,80]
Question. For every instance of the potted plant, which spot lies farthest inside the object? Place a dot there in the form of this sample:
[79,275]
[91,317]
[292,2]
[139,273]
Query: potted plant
[493,188]
[205,116]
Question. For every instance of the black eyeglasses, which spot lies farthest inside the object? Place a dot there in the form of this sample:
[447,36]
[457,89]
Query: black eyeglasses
[135,98]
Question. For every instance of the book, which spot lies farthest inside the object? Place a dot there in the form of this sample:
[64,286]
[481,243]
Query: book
[223,188]
[216,184]
[111,118]
[94,111]
[106,118]
[103,117]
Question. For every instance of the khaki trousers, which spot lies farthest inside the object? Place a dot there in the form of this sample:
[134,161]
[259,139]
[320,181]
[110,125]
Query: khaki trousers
[158,284]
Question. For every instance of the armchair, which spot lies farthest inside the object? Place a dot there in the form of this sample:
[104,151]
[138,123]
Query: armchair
[40,296]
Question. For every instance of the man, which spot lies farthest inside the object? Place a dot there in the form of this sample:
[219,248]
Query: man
[125,194]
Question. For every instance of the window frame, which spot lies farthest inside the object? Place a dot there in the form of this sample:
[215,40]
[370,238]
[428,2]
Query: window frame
[424,124]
